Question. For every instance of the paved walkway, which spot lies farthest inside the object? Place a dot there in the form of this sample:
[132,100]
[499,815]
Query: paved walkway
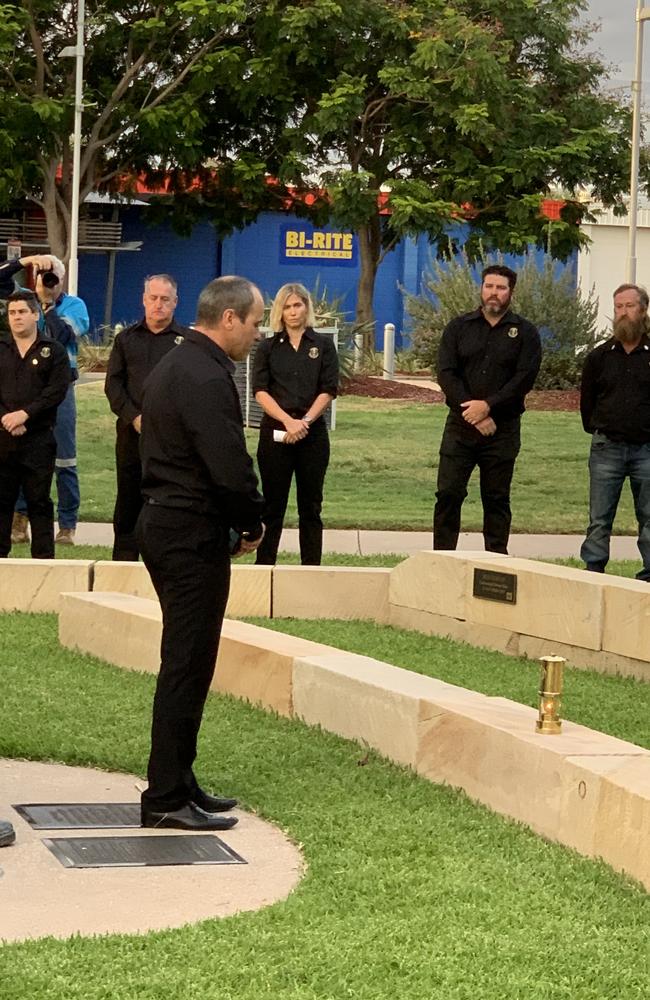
[40,897]
[363,542]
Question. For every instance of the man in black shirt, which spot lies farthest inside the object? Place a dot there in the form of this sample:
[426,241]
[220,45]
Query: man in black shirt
[201,505]
[34,378]
[615,410]
[136,352]
[488,361]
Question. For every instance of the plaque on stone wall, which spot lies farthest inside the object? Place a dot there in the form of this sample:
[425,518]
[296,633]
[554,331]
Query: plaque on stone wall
[493,586]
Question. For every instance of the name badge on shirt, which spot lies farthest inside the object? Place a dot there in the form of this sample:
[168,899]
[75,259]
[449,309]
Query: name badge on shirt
[45,352]
[513,332]
[314,352]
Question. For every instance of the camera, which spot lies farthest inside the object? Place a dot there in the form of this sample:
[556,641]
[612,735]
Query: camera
[49,279]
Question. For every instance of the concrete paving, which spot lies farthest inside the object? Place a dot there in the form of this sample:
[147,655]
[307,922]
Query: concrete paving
[364,542]
[40,897]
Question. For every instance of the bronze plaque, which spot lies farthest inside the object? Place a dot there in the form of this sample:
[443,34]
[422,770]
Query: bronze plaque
[493,586]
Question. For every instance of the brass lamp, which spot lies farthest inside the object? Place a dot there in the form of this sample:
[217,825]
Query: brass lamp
[550,694]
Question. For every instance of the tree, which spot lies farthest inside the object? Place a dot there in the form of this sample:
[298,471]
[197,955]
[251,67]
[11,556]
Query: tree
[459,108]
[148,65]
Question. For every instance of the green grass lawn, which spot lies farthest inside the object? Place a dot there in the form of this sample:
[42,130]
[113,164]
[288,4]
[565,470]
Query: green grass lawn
[616,705]
[104,552]
[411,890]
[383,467]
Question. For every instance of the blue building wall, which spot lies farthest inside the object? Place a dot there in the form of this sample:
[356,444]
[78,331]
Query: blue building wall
[258,252]
[193,261]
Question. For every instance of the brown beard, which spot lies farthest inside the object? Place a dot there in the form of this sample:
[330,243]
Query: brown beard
[629,331]
[495,308]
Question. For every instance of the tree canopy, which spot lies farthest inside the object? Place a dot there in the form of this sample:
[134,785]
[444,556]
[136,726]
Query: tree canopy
[460,108]
[469,109]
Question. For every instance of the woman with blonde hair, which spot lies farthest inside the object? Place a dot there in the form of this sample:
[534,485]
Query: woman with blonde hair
[295,377]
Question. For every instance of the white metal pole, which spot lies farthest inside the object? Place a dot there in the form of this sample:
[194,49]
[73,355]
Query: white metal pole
[389,350]
[73,264]
[642,14]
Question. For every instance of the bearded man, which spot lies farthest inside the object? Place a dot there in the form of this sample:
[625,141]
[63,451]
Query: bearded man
[615,409]
[488,361]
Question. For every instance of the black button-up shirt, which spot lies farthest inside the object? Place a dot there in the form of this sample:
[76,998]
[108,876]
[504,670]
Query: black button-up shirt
[192,445]
[496,363]
[36,383]
[615,392]
[294,378]
[136,352]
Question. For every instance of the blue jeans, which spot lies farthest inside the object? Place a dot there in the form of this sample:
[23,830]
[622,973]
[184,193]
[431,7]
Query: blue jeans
[610,464]
[67,481]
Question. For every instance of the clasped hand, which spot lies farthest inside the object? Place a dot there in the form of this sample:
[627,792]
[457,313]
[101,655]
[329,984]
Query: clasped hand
[14,422]
[296,430]
[475,410]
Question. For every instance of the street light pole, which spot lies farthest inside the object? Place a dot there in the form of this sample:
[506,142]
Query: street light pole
[78,52]
[642,14]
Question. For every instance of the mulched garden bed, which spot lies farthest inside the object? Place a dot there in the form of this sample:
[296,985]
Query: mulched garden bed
[538,399]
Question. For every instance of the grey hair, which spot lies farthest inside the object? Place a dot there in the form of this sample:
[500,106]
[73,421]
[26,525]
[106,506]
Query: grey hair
[231,292]
[161,277]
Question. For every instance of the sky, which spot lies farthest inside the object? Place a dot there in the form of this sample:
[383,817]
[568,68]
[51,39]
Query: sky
[616,39]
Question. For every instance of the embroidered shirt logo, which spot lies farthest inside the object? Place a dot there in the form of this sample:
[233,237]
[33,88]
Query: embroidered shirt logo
[45,352]
[179,339]
[314,352]
[513,332]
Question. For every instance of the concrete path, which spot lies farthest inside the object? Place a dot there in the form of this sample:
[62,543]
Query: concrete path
[40,897]
[363,542]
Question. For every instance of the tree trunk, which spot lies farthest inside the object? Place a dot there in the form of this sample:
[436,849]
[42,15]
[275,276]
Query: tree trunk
[57,225]
[369,237]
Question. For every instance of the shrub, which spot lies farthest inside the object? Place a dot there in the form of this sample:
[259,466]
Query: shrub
[566,318]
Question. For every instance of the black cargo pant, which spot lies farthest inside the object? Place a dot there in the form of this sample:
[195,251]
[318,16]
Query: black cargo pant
[308,460]
[462,449]
[28,462]
[188,560]
[128,502]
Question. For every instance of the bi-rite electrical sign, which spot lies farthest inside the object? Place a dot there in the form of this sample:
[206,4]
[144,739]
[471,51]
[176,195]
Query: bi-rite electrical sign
[301,243]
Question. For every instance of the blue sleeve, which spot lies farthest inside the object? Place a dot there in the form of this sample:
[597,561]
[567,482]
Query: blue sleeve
[73,310]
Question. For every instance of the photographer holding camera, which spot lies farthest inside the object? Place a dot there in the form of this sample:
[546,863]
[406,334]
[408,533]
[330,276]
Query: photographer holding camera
[65,318]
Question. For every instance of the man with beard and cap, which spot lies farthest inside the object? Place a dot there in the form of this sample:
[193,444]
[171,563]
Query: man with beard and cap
[487,362]
[615,409]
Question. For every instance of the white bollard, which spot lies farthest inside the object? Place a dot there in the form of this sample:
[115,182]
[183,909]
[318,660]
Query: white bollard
[389,350]
[357,352]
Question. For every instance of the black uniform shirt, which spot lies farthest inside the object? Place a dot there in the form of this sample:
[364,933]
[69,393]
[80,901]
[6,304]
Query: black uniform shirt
[295,378]
[136,352]
[496,363]
[192,445]
[615,392]
[36,383]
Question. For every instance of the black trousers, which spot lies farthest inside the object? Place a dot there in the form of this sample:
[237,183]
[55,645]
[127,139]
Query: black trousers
[28,462]
[461,450]
[189,564]
[128,502]
[308,460]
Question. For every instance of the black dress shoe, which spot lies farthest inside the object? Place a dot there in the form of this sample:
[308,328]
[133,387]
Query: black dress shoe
[7,833]
[190,817]
[212,803]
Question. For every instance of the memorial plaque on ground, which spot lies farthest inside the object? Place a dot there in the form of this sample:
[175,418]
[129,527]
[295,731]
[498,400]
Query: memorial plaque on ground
[80,815]
[142,851]
[493,586]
